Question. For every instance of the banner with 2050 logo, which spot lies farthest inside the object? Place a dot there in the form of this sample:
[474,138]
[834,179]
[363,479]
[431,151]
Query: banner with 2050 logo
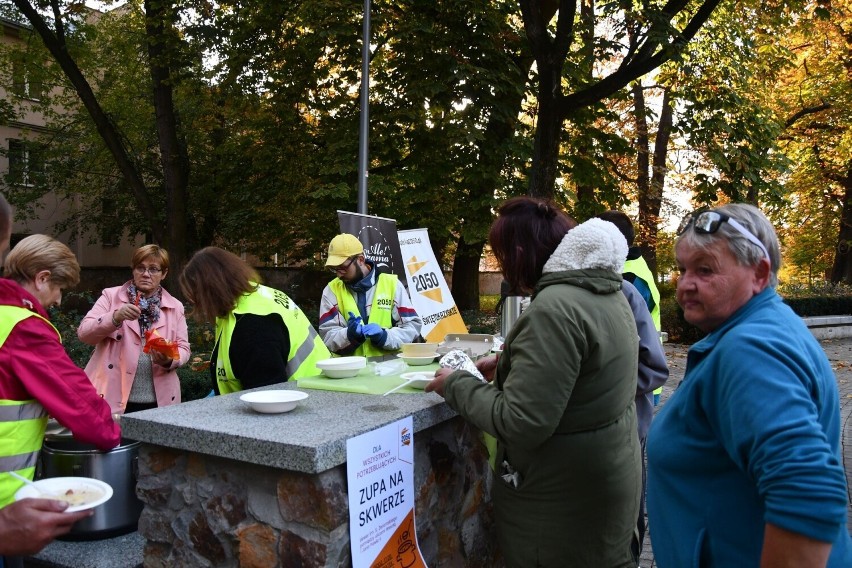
[428,287]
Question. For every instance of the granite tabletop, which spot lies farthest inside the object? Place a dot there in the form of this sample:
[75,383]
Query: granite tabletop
[126,551]
[309,439]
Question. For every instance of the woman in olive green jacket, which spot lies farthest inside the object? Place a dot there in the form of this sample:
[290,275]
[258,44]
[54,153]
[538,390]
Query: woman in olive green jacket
[560,404]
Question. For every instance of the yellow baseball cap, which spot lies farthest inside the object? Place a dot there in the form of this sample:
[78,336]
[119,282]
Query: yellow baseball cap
[342,247]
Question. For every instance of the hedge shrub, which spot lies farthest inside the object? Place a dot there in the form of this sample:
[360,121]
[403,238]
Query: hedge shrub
[817,299]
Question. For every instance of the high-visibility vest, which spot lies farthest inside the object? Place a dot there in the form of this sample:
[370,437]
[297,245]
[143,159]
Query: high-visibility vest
[380,312]
[640,268]
[22,422]
[306,346]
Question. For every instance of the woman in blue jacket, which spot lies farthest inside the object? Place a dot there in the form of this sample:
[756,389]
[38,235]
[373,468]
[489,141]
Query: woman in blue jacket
[744,460]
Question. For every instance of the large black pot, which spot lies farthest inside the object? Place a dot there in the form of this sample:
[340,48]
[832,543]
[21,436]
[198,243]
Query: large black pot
[63,456]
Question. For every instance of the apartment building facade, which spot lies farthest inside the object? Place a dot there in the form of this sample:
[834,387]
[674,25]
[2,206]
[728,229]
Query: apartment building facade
[19,93]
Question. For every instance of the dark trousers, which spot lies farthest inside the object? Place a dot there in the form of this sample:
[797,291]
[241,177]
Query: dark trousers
[641,526]
[11,561]
[137,406]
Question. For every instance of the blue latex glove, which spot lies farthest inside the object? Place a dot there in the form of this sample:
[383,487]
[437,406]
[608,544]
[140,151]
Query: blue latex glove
[354,329]
[377,335]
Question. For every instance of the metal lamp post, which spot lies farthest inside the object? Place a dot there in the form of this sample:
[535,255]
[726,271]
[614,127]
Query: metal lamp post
[363,146]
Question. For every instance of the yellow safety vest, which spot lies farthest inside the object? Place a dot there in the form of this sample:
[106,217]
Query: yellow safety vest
[306,346]
[381,311]
[22,422]
[640,268]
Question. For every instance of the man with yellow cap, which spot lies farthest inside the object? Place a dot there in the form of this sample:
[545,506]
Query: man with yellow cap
[363,312]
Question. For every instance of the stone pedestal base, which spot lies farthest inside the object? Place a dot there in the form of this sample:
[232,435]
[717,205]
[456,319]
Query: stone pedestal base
[208,511]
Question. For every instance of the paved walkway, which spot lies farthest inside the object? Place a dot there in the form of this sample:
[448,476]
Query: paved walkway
[839,352]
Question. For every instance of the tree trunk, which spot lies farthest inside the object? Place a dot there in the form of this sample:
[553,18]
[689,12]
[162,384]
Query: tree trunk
[549,56]
[159,29]
[466,274]
[55,43]
[651,201]
[842,269]
[492,150]
[643,144]
[586,204]
[548,135]
[656,46]
[481,188]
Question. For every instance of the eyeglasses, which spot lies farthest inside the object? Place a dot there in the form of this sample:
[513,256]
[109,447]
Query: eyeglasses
[343,267]
[708,222]
[152,270]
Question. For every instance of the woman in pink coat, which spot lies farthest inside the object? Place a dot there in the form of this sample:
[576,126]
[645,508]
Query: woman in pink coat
[129,379]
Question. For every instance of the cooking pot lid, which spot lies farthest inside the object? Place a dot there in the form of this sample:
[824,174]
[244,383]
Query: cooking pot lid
[56,431]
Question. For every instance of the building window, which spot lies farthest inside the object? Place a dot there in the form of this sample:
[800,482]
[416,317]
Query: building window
[23,84]
[24,163]
[111,228]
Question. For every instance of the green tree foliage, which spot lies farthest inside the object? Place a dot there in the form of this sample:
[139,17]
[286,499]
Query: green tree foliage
[705,99]
[77,162]
[66,30]
[588,53]
[446,89]
[763,106]
[264,100]
[726,117]
[815,98]
[470,102]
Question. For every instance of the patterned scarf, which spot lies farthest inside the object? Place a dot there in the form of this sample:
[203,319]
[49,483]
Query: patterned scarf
[150,307]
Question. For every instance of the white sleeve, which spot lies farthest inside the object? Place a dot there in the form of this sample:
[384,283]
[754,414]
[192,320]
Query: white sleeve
[332,325]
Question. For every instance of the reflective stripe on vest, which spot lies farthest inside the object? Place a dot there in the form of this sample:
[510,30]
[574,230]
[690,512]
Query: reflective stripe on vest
[381,311]
[22,422]
[306,346]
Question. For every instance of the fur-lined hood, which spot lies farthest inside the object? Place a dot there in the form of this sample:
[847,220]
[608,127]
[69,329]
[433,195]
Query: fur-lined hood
[590,256]
[593,244]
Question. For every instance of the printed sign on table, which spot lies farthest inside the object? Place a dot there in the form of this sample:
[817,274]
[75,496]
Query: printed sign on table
[380,471]
[428,287]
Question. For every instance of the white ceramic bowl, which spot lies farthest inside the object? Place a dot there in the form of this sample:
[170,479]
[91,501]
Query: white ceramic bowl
[341,367]
[81,493]
[418,349]
[416,361]
[273,401]
[418,379]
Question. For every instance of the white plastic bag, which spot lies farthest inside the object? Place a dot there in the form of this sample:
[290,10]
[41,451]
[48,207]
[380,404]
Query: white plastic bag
[392,367]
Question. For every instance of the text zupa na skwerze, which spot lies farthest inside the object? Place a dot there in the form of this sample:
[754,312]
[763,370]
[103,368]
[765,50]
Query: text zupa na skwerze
[380,497]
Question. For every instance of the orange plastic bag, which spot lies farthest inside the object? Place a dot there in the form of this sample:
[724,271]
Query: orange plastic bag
[156,342]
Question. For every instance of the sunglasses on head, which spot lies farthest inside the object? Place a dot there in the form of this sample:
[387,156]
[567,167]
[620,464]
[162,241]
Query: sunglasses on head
[708,222]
